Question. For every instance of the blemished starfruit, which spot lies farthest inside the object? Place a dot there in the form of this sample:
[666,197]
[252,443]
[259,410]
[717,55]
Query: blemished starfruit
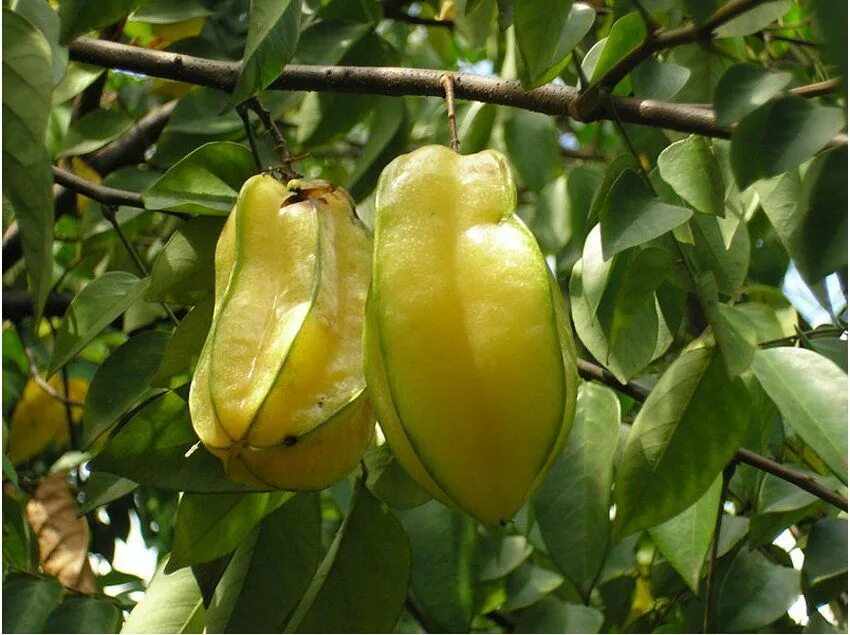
[279,394]
[469,358]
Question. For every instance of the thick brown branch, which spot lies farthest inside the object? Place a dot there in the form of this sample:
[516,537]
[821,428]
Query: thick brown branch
[130,147]
[100,193]
[549,99]
[589,370]
[17,304]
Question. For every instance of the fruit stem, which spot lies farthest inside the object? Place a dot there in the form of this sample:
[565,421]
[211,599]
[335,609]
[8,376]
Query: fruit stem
[448,84]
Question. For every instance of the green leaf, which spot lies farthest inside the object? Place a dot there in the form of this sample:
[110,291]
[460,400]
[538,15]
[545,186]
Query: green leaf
[209,526]
[474,25]
[733,329]
[443,566]
[79,16]
[820,236]
[387,133]
[327,41]
[573,502]
[94,131]
[324,117]
[196,119]
[532,143]
[272,41]
[476,126]
[545,44]
[627,33]
[101,488]
[9,470]
[652,79]
[825,567]
[389,482]
[269,571]
[780,135]
[184,271]
[614,170]
[504,557]
[811,393]
[151,449]
[76,79]
[552,615]
[184,348]
[81,614]
[684,539]
[100,302]
[623,327]
[42,16]
[743,88]
[172,604]
[121,381]
[755,592]
[362,582]
[549,218]
[28,600]
[169,11]
[736,336]
[206,181]
[691,169]
[753,20]
[632,216]
[530,584]
[722,247]
[830,27]
[27,181]
[673,452]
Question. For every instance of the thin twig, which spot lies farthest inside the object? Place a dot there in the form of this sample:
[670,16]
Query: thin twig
[803,481]
[818,89]
[46,387]
[710,616]
[448,83]
[279,140]
[249,131]
[549,99]
[109,212]
[792,40]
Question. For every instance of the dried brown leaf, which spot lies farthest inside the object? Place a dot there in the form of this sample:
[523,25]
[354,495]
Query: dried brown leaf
[63,537]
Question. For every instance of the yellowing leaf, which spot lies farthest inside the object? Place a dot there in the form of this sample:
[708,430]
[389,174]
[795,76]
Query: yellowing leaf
[40,419]
[179,30]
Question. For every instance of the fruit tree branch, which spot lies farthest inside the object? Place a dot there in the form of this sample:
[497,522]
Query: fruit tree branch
[591,371]
[101,193]
[664,39]
[549,99]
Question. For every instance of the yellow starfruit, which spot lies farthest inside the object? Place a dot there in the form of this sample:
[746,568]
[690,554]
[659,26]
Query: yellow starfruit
[279,393]
[469,357]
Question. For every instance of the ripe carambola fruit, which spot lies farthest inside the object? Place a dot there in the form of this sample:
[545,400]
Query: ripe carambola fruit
[469,358]
[279,394]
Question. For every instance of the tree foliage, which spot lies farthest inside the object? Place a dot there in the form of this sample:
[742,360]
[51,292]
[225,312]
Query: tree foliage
[683,166]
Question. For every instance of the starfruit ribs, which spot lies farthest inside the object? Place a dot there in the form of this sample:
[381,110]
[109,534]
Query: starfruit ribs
[470,361]
[278,393]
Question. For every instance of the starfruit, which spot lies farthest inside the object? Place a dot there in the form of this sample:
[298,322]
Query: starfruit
[469,357]
[278,393]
